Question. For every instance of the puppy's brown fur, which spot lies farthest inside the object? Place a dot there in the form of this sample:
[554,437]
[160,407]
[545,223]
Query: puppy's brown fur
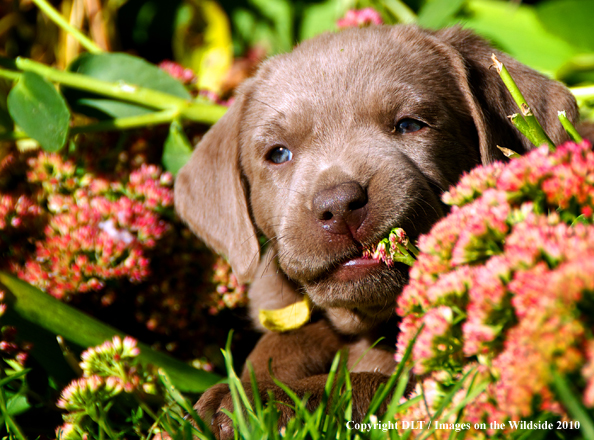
[334,102]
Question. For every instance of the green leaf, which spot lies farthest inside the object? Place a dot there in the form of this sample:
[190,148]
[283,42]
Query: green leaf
[435,14]
[17,404]
[76,327]
[516,29]
[400,10]
[280,14]
[570,20]
[122,68]
[99,107]
[38,108]
[321,17]
[177,150]
[268,23]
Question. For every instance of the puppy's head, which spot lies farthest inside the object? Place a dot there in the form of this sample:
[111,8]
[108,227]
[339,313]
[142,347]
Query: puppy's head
[330,146]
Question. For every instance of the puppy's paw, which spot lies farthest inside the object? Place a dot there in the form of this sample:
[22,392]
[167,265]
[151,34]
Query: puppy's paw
[210,409]
[218,398]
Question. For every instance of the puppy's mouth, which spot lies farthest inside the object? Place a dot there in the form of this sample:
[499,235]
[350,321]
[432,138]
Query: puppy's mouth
[395,247]
[356,268]
[359,282]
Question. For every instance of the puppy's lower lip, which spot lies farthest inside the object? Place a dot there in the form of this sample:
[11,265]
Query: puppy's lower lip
[361,262]
[355,269]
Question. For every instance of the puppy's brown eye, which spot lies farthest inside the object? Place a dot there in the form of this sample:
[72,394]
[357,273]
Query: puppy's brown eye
[279,155]
[408,125]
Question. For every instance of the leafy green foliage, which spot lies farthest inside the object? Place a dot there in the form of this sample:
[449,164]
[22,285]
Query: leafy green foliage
[552,36]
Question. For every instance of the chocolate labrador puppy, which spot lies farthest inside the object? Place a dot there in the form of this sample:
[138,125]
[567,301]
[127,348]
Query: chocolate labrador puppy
[324,151]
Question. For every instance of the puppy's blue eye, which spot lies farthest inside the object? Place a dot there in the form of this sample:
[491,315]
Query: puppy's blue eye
[409,125]
[280,155]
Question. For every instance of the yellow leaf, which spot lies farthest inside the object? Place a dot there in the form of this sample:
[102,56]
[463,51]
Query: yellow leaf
[203,42]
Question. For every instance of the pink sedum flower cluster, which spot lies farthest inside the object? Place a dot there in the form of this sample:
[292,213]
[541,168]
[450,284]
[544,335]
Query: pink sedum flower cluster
[359,18]
[96,226]
[110,371]
[503,284]
[396,248]
[97,229]
[10,348]
[229,293]
[184,74]
[17,213]
[188,77]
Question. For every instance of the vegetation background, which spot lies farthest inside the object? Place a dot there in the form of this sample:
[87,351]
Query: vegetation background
[86,186]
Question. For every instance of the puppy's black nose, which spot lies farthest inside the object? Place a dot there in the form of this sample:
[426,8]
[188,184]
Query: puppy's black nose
[342,208]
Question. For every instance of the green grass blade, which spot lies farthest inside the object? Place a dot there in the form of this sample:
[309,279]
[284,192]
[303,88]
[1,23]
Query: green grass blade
[331,389]
[178,398]
[238,394]
[382,393]
[573,405]
[12,377]
[77,328]
[255,390]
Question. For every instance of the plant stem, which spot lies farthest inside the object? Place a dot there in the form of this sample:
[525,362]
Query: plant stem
[205,113]
[57,18]
[100,418]
[569,128]
[13,136]
[151,413]
[194,111]
[537,135]
[413,249]
[162,117]
[10,423]
[520,123]
[405,258]
[9,74]
[117,124]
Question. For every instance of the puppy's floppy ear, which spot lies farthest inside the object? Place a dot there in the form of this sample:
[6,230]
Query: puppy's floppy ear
[210,197]
[491,102]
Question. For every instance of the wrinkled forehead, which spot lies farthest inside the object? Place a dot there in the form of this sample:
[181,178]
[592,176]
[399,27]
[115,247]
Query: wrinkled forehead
[352,74]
